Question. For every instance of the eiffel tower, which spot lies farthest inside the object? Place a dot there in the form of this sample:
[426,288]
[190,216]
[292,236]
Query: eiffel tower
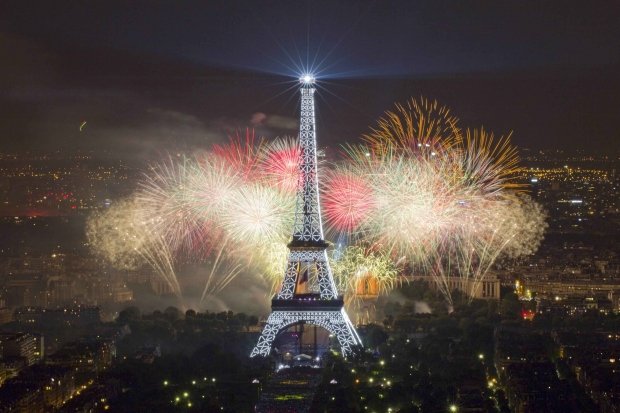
[308,293]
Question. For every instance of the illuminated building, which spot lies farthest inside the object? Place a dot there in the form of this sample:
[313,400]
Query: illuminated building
[488,288]
[24,345]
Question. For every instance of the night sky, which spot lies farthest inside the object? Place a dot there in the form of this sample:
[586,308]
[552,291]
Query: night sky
[153,76]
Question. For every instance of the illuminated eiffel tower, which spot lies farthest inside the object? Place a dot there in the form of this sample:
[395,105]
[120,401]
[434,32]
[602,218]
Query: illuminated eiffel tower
[308,293]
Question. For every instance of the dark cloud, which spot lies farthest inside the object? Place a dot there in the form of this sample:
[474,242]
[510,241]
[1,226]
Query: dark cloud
[258,119]
[276,122]
[146,83]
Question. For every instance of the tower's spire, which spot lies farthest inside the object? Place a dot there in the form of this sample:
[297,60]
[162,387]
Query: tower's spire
[308,227]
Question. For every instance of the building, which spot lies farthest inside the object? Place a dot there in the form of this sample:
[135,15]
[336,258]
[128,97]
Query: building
[565,288]
[86,358]
[94,398]
[593,357]
[39,388]
[488,288]
[573,305]
[11,367]
[24,345]
[527,374]
[6,315]
[75,315]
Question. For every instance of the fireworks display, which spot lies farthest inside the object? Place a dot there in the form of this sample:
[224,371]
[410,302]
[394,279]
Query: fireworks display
[348,201]
[127,237]
[418,191]
[231,207]
[442,198]
[363,273]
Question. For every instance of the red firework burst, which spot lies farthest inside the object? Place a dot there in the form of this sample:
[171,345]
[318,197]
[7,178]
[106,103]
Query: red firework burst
[240,153]
[347,201]
[281,164]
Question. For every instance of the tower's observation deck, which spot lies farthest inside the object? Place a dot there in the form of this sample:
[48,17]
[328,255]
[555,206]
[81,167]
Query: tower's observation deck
[308,253]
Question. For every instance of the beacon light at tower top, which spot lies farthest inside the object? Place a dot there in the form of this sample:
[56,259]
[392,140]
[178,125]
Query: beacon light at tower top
[307,79]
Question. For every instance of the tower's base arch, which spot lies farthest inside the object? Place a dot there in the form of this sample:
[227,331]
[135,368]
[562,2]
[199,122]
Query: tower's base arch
[335,321]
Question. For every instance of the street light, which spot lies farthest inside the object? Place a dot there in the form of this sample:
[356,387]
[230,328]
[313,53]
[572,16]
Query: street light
[258,389]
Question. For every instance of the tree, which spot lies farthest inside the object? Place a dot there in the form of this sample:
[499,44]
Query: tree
[129,314]
[510,307]
[388,320]
[172,313]
[375,336]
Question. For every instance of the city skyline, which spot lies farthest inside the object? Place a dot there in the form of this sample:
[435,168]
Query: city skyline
[449,172]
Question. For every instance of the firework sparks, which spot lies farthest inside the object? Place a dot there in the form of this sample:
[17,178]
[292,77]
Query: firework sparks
[420,188]
[362,273]
[418,125]
[444,201]
[258,214]
[242,154]
[230,207]
[281,162]
[125,236]
[347,200]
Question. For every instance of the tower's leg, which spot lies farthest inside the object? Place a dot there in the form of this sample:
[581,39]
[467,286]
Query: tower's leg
[347,336]
[327,287]
[271,330]
[290,279]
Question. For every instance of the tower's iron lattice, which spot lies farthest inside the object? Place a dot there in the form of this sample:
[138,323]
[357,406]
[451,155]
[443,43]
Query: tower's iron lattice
[296,302]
